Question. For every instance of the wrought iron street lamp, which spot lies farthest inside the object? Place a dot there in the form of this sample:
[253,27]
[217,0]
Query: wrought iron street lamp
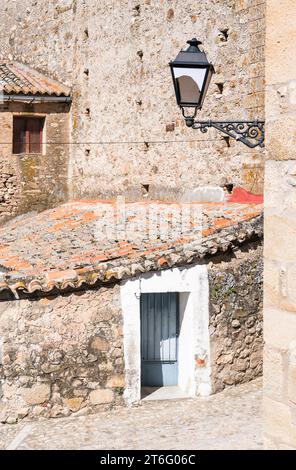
[192,73]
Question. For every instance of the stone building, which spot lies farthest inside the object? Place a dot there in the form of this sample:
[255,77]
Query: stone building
[90,315]
[280,206]
[34,125]
[127,136]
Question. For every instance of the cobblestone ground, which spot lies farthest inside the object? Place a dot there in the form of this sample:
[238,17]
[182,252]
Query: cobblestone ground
[228,420]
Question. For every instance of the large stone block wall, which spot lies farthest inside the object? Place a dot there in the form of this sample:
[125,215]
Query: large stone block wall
[115,54]
[61,355]
[34,182]
[280,228]
[236,304]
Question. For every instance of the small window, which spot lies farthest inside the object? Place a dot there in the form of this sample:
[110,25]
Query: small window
[27,134]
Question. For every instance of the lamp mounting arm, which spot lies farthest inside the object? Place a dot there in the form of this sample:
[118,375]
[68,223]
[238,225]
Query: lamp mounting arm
[192,73]
[250,133]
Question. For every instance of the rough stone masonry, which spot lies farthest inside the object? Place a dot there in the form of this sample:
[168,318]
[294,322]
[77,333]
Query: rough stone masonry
[62,351]
[33,182]
[236,319]
[61,319]
[61,354]
[127,135]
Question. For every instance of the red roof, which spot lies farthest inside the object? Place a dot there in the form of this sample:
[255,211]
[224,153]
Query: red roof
[245,197]
[89,241]
[17,78]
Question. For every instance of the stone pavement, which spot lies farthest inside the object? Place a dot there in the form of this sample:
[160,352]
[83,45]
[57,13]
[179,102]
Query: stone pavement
[228,420]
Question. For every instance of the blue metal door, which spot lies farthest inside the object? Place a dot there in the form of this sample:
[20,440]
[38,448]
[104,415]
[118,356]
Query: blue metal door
[159,339]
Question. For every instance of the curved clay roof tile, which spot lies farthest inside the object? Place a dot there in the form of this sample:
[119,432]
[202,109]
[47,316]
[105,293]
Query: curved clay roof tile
[17,78]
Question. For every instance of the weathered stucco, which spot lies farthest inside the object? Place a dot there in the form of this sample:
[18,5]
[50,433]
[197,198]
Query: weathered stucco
[61,354]
[194,368]
[280,228]
[123,94]
[236,300]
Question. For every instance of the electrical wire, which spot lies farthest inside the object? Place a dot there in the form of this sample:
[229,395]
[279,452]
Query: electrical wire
[126,142]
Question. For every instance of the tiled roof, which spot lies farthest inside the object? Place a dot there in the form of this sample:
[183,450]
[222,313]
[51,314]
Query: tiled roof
[77,242]
[17,78]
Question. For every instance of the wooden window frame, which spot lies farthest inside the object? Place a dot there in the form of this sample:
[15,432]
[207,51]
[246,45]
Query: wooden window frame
[28,132]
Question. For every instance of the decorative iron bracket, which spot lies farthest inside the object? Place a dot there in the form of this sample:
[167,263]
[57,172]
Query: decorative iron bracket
[250,133]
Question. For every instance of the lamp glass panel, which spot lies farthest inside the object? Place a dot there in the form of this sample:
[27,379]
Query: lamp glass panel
[190,82]
[210,73]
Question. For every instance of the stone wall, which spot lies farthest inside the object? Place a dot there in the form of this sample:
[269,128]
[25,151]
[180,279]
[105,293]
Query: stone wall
[280,228]
[128,136]
[235,285]
[60,355]
[34,182]
[64,354]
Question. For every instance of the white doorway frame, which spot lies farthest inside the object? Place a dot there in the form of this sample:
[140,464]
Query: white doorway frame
[194,342]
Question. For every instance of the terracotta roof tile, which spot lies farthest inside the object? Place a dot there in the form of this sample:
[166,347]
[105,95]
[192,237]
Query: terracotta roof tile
[89,241]
[17,78]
